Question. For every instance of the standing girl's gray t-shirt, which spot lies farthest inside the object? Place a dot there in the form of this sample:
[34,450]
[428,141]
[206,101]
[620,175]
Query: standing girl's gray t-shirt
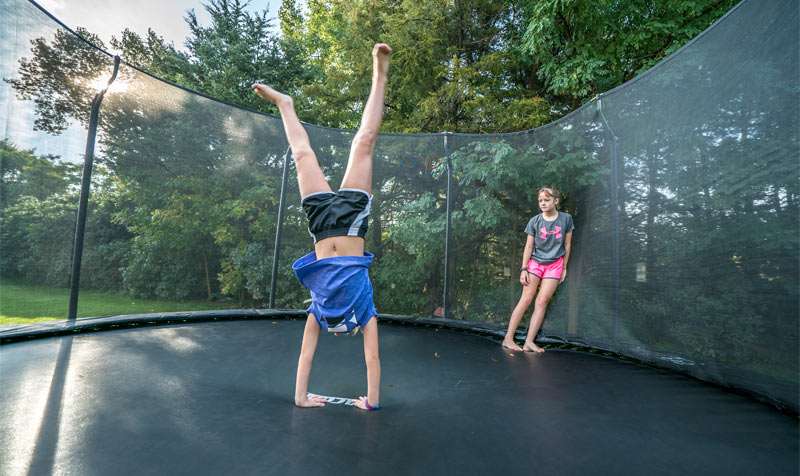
[548,237]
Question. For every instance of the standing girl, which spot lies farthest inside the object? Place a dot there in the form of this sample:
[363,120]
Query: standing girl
[543,261]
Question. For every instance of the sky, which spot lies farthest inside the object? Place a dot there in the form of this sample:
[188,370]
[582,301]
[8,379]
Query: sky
[110,17]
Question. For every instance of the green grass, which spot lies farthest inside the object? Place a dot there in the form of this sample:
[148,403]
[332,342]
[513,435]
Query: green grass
[26,303]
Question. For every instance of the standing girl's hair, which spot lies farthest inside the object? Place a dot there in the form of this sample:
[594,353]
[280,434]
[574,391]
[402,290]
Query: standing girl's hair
[552,192]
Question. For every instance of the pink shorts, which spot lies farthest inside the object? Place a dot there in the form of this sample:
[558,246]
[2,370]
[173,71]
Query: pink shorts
[547,271]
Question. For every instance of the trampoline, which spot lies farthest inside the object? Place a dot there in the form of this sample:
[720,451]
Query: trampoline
[217,398]
[671,348]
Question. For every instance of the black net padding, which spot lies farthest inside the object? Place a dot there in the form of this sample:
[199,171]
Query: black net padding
[684,185]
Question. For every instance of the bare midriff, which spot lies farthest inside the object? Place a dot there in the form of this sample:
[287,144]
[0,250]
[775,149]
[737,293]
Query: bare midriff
[339,246]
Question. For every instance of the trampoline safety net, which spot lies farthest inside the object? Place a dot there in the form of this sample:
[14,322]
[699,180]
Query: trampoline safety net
[684,184]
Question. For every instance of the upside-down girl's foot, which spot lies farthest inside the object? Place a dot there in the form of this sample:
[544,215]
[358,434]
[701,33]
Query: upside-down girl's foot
[511,345]
[265,92]
[530,347]
[380,59]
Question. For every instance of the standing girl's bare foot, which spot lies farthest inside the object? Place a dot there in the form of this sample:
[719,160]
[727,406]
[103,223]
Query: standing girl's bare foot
[510,344]
[531,347]
[265,92]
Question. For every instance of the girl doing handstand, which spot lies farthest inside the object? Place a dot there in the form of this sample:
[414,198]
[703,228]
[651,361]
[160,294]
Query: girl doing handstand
[337,271]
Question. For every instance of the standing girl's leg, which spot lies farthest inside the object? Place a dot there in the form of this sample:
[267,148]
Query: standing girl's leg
[540,306]
[528,291]
[358,174]
[309,176]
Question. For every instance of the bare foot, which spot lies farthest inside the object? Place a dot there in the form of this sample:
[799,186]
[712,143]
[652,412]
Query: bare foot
[265,92]
[510,344]
[362,403]
[380,59]
[531,347]
[306,402]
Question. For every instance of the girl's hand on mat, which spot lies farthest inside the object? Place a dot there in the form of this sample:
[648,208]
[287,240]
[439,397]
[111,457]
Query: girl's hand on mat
[306,402]
[362,404]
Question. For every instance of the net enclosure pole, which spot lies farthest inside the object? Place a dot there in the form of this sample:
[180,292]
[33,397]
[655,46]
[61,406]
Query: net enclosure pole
[614,217]
[273,285]
[83,204]
[447,235]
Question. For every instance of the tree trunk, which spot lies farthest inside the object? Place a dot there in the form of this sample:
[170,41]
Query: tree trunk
[511,294]
[468,300]
[575,274]
[776,200]
[434,289]
[208,278]
[452,299]
[749,249]
[791,202]
[652,210]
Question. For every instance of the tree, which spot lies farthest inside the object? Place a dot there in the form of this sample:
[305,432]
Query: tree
[235,50]
[59,77]
[37,215]
[581,48]
[153,55]
[23,173]
[455,66]
[172,169]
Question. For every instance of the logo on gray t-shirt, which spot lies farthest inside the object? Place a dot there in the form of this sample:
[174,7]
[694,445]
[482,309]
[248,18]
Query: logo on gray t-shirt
[548,237]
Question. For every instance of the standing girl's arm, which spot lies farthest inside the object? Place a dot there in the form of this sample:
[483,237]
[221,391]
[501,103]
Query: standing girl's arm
[526,256]
[567,247]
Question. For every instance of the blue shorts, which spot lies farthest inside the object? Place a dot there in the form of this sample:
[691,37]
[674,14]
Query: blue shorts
[343,324]
[337,214]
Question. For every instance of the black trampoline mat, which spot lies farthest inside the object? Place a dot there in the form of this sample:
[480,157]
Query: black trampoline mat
[217,398]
